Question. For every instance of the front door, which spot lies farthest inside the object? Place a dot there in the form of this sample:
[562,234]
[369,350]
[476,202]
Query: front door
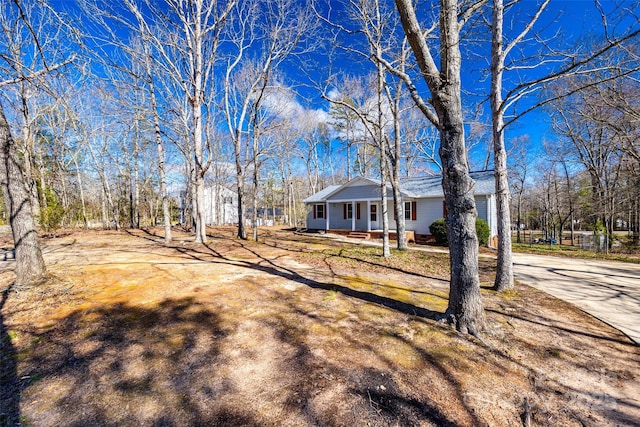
[374,215]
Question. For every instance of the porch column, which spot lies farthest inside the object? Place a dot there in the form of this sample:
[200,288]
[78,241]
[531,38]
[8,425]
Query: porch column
[327,216]
[368,215]
[353,216]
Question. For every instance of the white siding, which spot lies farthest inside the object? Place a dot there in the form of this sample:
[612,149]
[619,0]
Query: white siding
[428,211]
[486,206]
[218,209]
[493,215]
[337,221]
[317,223]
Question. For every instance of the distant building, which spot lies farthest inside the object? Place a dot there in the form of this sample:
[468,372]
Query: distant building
[221,205]
[266,216]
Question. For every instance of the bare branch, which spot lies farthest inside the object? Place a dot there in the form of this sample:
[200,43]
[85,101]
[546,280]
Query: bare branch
[39,73]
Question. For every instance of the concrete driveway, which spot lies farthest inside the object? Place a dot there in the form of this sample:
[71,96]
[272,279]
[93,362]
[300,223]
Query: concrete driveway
[607,290]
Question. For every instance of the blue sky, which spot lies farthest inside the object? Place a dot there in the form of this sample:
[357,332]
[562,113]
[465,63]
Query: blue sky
[563,24]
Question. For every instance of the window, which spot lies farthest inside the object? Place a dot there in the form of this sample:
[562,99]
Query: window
[349,211]
[374,213]
[410,211]
[228,200]
[318,211]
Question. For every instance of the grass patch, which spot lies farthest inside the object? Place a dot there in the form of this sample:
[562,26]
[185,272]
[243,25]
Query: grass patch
[509,294]
[555,352]
[11,336]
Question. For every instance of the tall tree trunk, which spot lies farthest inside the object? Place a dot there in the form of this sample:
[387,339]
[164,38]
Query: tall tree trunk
[106,188]
[135,187]
[382,146]
[254,216]
[30,266]
[166,214]
[194,206]
[104,211]
[395,185]
[465,303]
[293,203]
[28,149]
[240,179]
[65,199]
[399,214]
[519,219]
[197,101]
[636,221]
[112,206]
[348,159]
[386,251]
[504,268]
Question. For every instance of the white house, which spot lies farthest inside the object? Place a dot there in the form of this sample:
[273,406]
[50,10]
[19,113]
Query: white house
[356,205]
[221,205]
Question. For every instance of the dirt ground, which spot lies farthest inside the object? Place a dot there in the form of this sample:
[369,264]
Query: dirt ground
[295,330]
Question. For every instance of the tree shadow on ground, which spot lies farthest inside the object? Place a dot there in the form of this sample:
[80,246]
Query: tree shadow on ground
[272,268]
[148,365]
[374,396]
[343,254]
[9,382]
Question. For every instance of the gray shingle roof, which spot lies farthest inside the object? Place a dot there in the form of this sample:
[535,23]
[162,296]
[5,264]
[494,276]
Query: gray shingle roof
[321,195]
[431,186]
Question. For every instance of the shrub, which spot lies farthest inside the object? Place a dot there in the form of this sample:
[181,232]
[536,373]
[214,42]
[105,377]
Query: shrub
[50,215]
[438,229]
[483,232]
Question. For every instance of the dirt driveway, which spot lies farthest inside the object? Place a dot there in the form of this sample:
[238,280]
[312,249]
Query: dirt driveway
[607,290]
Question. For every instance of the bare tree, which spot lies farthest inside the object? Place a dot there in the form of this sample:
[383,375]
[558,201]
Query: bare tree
[590,127]
[420,151]
[30,266]
[200,24]
[271,32]
[316,152]
[499,52]
[567,65]
[367,101]
[345,123]
[519,166]
[465,304]
[149,77]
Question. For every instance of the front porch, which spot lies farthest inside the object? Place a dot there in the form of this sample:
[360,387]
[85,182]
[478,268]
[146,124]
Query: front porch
[373,234]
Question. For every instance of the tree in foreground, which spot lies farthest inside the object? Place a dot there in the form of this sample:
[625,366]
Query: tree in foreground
[30,266]
[18,22]
[465,304]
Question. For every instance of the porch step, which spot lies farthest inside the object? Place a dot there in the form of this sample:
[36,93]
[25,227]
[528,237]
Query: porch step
[423,239]
[359,235]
